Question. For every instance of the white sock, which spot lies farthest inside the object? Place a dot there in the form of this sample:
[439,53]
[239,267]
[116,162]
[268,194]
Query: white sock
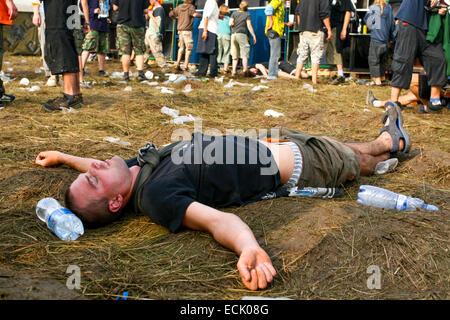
[341,73]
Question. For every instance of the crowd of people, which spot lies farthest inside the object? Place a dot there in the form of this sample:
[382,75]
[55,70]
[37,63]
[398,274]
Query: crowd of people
[411,32]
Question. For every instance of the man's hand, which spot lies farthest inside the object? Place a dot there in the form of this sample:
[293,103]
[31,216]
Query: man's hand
[37,19]
[289,24]
[442,11]
[49,158]
[205,35]
[96,10]
[12,9]
[343,34]
[256,268]
[433,3]
[329,35]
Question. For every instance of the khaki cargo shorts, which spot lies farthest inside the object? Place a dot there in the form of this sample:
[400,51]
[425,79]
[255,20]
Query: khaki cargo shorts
[185,41]
[240,46]
[310,44]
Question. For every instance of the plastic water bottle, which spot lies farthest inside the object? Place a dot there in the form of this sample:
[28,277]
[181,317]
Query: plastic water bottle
[317,192]
[382,198]
[170,112]
[64,223]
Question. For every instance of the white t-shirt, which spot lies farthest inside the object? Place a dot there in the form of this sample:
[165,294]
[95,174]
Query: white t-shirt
[210,11]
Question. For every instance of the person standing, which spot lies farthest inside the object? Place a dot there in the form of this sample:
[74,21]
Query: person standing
[96,41]
[312,16]
[340,14]
[207,39]
[61,19]
[411,43]
[224,37]
[241,25]
[154,36]
[8,12]
[380,21]
[275,16]
[131,33]
[185,14]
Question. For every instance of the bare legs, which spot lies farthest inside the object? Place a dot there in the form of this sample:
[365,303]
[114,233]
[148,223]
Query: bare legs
[370,153]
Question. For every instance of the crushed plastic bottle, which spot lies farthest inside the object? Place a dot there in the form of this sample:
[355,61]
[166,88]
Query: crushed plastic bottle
[64,223]
[382,198]
[385,166]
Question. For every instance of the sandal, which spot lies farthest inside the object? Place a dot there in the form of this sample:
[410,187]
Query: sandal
[395,128]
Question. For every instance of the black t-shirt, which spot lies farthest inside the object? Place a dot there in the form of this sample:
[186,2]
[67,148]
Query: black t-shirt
[218,171]
[282,65]
[131,12]
[338,10]
[312,13]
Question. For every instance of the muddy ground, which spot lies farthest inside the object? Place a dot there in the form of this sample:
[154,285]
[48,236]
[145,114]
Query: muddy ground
[322,249]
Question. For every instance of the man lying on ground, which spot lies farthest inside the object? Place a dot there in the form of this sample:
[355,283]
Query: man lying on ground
[419,92]
[285,70]
[180,185]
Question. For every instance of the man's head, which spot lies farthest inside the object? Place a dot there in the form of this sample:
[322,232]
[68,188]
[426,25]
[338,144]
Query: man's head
[243,6]
[98,195]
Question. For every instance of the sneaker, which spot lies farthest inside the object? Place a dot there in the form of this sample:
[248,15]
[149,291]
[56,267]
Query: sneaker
[63,102]
[435,108]
[85,84]
[7,98]
[370,98]
[52,82]
[126,76]
[101,73]
[85,73]
[141,77]
[338,80]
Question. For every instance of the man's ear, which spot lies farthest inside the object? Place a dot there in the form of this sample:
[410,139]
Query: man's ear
[115,203]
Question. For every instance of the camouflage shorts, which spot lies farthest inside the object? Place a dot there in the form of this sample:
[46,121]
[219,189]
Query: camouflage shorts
[78,36]
[129,38]
[96,42]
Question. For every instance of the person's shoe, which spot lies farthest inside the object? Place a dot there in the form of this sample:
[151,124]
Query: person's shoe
[395,128]
[59,103]
[338,80]
[420,108]
[141,76]
[370,98]
[101,73]
[126,76]
[435,108]
[85,84]
[85,73]
[7,98]
[52,82]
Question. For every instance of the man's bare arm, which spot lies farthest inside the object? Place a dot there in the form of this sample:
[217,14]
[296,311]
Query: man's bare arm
[254,265]
[55,158]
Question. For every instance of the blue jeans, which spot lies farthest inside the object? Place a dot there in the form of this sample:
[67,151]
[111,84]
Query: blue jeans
[275,52]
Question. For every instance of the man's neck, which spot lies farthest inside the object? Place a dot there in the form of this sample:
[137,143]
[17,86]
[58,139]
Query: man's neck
[134,173]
